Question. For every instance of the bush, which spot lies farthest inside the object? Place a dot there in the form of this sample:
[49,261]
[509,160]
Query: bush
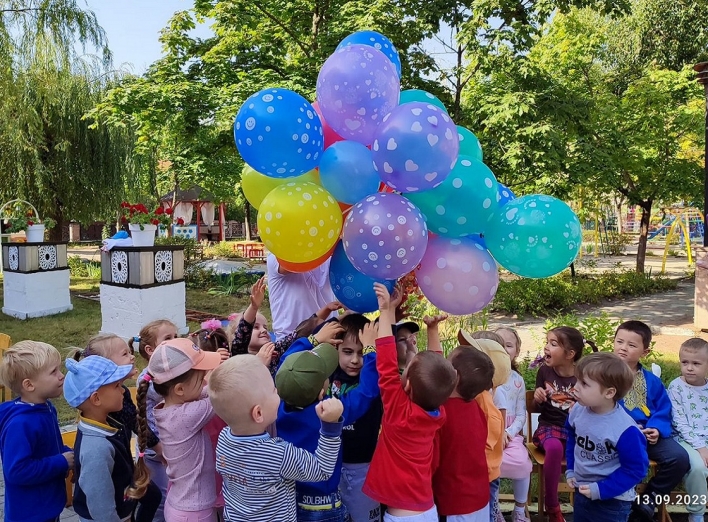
[190,245]
[79,267]
[221,249]
[615,243]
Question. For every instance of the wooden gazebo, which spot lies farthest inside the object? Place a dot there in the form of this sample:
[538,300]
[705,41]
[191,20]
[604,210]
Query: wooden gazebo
[198,198]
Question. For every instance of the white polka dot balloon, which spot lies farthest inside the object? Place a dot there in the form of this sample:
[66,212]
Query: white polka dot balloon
[385,236]
[278,133]
[299,221]
[457,275]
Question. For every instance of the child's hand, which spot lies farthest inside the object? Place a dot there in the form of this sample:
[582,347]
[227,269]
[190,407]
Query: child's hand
[329,332]
[258,293]
[69,456]
[703,452]
[652,435]
[506,439]
[432,322]
[540,395]
[584,490]
[383,297]
[368,334]
[265,354]
[397,296]
[323,313]
[571,483]
[329,410]
[225,354]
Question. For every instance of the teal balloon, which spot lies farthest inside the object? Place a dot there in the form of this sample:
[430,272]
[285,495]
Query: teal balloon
[463,203]
[416,95]
[469,144]
[534,236]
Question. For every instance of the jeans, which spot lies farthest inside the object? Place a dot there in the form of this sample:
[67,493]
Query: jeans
[493,499]
[610,510]
[360,507]
[672,462]
[331,511]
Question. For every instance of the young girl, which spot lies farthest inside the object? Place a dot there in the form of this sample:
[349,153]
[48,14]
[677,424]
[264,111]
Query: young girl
[177,370]
[516,464]
[554,396]
[151,335]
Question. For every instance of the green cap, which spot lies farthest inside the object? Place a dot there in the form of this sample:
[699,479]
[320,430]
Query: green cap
[301,376]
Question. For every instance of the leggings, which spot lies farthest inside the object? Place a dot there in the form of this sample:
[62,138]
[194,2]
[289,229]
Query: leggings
[553,448]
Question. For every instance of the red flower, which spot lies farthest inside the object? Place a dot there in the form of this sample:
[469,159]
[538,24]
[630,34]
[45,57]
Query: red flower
[159,211]
[168,211]
[141,208]
[123,220]
[30,223]
[154,221]
[180,221]
[125,204]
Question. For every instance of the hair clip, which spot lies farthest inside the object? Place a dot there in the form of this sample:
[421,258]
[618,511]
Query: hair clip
[207,336]
[84,353]
[147,377]
[141,455]
[136,339]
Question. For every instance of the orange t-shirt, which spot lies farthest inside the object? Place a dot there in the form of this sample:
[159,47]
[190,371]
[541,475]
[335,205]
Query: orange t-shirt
[495,430]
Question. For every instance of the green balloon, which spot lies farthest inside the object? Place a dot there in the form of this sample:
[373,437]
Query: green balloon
[462,204]
[469,144]
[534,236]
[416,95]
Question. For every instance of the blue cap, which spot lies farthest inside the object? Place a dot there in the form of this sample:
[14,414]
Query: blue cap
[88,375]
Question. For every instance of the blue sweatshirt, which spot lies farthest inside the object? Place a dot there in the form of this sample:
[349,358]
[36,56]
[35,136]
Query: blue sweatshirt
[606,451]
[32,462]
[658,405]
[301,426]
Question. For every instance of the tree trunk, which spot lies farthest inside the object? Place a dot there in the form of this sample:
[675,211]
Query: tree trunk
[643,233]
[619,200]
[247,220]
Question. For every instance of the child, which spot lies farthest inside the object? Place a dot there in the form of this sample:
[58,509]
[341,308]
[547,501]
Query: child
[260,471]
[689,401]
[177,370]
[400,474]
[461,491]
[606,454]
[516,464]
[406,336]
[649,405]
[358,438]
[34,459]
[151,336]
[104,489]
[554,395]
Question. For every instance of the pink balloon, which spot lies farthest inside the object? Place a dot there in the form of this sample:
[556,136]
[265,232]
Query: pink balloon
[330,136]
[458,276]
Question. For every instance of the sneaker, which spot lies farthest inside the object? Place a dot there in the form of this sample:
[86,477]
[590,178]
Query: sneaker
[695,517]
[498,517]
[520,516]
[555,514]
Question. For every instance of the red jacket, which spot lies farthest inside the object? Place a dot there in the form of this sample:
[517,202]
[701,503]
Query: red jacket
[400,474]
[460,478]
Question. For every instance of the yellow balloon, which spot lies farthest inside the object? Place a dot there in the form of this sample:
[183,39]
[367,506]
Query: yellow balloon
[256,186]
[299,221]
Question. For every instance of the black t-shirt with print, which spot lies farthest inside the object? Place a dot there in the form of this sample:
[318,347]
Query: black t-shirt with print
[554,411]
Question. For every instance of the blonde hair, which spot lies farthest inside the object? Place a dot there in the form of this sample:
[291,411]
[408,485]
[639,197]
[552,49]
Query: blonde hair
[97,345]
[232,327]
[243,377]
[24,360]
[148,336]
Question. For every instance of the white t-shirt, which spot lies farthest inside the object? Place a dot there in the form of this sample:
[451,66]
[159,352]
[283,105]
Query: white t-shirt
[296,296]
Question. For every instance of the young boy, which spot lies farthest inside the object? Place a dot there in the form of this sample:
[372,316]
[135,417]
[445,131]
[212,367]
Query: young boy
[400,474]
[260,471]
[648,404]
[689,398]
[358,438]
[461,491]
[34,459]
[302,380]
[405,333]
[606,454]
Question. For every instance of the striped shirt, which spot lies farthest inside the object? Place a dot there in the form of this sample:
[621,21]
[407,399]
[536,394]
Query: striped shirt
[259,473]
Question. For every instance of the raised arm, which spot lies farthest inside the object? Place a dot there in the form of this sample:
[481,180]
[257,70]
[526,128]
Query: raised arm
[434,332]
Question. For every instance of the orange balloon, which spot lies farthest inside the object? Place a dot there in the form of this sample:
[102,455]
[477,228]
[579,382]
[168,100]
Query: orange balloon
[306,267]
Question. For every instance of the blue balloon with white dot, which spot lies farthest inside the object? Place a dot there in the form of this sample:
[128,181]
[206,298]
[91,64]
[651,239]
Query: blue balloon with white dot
[505,195]
[377,41]
[278,133]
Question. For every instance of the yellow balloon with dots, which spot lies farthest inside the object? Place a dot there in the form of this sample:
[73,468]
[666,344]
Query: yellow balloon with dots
[299,221]
[256,186]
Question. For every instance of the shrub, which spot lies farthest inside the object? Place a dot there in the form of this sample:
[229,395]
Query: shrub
[615,243]
[79,267]
[190,245]
[221,249]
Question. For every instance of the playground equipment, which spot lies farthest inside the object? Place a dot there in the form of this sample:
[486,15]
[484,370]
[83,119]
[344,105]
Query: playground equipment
[688,222]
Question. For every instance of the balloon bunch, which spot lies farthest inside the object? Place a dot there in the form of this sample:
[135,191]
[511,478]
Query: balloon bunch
[383,182]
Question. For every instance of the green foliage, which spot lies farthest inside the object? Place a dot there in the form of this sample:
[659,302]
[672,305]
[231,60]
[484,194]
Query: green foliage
[615,243]
[538,297]
[238,282]
[223,249]
[79,267]
[190,245]
[597,328]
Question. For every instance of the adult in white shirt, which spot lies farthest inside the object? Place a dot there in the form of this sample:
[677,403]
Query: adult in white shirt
[296,296]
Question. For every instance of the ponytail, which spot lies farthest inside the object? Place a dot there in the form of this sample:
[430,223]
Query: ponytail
[141,476]
[211,340]
[591,344]
[132,342]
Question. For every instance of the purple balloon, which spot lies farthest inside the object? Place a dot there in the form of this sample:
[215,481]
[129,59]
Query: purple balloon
[385,236]
[357,86]
[415,147]
[458,276]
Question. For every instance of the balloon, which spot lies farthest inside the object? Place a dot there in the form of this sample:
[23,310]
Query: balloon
[256,186]
[415,147]
[416,95]
[457,275]
[347,172]
[278,133]
[534,236]
[469,144]
[357,86]
[376,40]
[299,222]
[505,195]
[305,267]
[385,236]
[462,204]
[330,137]
[352,288]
